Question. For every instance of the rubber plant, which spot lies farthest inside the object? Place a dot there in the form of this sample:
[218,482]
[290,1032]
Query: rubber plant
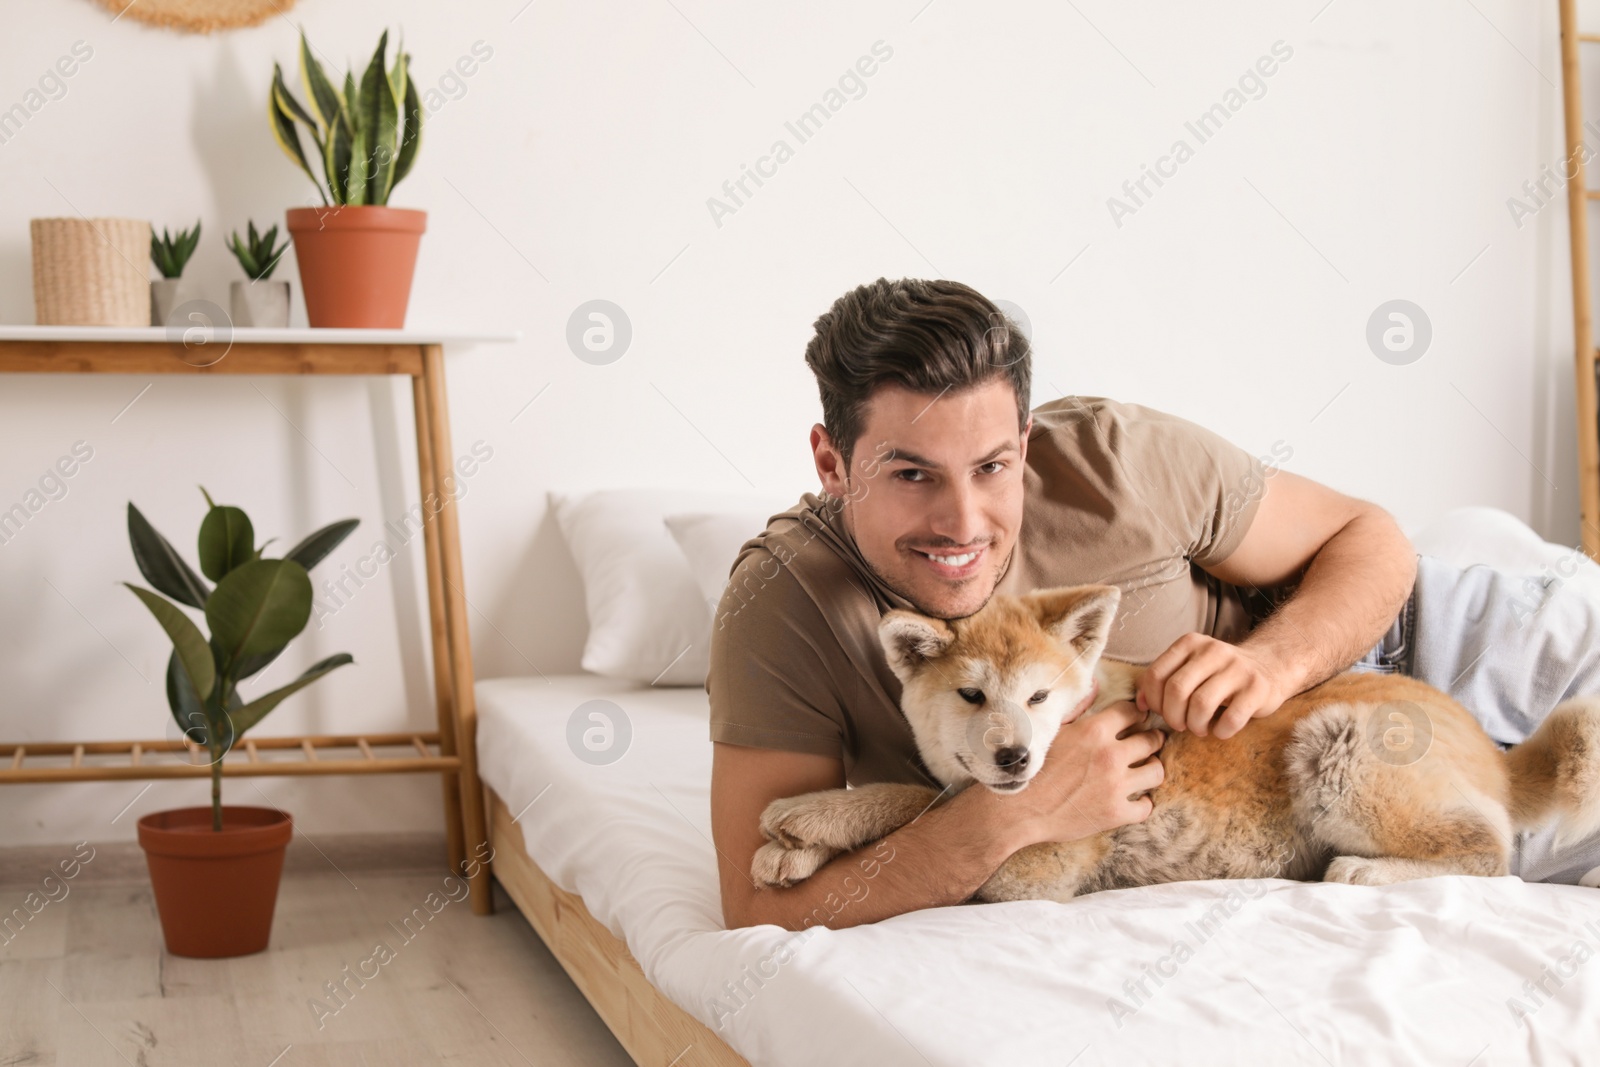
[366,135]
[258,606]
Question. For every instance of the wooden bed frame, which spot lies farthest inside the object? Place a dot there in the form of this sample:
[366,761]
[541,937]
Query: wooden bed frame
[653,1030]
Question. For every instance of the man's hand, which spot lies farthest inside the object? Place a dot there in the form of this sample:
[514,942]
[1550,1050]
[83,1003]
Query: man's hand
[1199,676]
[1094,778]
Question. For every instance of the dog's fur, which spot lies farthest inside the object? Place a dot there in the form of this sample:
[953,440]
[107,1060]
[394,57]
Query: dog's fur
[1365,778]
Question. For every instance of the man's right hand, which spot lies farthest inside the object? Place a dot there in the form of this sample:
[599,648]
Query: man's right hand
[1094,778]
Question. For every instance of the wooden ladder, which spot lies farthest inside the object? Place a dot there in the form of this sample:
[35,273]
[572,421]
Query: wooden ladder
[1584,356]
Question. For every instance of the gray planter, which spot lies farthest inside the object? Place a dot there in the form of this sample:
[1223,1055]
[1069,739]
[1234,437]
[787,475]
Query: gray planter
[259,304]
[168,294]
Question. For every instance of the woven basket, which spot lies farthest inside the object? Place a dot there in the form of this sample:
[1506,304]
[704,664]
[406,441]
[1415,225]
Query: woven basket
[91,272]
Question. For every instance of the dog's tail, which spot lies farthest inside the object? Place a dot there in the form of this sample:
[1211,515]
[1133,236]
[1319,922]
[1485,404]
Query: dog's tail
[1556,772]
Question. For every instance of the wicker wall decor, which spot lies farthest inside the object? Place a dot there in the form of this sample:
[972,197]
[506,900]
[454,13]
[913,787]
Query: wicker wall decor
[198,16]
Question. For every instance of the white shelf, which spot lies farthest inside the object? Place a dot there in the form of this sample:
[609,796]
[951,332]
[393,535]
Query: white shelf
[411,335]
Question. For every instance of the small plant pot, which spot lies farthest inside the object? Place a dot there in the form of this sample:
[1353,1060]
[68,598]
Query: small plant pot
[215,891]
[167,295]
[356,263]
[259,304]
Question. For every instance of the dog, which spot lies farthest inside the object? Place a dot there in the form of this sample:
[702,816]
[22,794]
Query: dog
[1364,779]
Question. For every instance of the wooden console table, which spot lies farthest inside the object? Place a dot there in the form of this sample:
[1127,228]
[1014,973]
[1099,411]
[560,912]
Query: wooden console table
[449,750]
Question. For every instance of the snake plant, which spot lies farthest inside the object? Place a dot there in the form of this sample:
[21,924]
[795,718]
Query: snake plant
[257,608]
[365,135]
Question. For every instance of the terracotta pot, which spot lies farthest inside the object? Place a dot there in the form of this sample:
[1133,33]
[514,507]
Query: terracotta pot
[356,263]
[215,891]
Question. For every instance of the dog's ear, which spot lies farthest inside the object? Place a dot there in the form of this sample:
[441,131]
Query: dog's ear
[1077,616]
[911,640]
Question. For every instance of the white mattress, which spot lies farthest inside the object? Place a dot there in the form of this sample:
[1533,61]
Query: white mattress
[1285,973]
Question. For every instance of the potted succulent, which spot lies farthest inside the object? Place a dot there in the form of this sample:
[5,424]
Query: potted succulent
[170,255]
[258,302]
[356,254]
[214,869]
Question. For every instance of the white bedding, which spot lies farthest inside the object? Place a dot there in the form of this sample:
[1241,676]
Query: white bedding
[1284,973]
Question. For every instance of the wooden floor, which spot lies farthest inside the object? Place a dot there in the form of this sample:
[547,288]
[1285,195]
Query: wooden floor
[87,982]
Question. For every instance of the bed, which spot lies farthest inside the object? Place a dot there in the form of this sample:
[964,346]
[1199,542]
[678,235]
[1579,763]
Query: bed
[613,865]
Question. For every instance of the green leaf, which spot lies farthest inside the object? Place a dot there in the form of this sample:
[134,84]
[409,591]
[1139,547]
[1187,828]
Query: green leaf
[248,664]
[368,107]
[355,189]
[161,565]
[311,551]
[413,129]
[226,541]
[282,110]
[188,710]
[190,240]
[241,252]
[258,607]
[319,90]
[187,640]
[262,251]
[253,712]
[336,159]
[253,664]
[381,118]
[289,105]
[352,102]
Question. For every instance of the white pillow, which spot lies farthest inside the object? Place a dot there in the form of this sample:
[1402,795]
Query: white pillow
[648,621]
[711,541]
[1470,535]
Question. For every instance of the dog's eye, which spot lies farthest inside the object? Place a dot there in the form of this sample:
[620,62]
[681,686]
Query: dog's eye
[1039,697]
[971,696]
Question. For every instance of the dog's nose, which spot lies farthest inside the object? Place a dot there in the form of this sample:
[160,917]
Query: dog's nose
[1013,758]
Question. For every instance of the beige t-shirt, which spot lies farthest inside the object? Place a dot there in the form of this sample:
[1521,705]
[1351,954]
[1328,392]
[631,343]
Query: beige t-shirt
[1114,493]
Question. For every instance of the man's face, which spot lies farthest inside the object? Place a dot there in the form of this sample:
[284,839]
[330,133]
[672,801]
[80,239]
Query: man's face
[934,496]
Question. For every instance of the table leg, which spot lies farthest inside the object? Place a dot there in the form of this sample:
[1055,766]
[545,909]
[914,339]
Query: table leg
[455,614]
[439,637]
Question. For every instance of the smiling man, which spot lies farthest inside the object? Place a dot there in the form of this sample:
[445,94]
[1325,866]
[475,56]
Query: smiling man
[942,488]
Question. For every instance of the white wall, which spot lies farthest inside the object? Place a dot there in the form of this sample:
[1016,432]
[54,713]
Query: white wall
[577,164]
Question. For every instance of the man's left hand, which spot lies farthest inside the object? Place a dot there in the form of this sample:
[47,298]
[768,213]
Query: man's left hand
[1199,676]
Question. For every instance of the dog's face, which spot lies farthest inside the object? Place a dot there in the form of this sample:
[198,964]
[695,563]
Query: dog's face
[986,694]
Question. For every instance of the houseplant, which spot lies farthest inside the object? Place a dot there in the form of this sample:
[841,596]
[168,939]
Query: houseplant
[215,869]
[170,255]
[356,254]
[259,301]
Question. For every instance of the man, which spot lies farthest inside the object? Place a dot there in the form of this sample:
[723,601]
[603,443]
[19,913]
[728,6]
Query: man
[1241,587]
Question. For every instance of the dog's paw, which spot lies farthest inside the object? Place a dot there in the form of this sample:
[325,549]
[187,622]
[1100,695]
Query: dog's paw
[801,822]
[775,865]
[1353,870]
[1592,879]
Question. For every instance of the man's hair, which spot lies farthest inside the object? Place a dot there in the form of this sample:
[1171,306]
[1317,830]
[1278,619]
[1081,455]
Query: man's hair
[929,336]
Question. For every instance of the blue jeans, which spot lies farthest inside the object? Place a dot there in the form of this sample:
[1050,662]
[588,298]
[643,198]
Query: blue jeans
[1508,648]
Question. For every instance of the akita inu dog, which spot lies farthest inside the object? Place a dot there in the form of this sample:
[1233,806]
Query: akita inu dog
[1364,778]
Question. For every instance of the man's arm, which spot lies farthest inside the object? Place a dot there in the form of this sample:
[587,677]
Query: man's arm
[946,854]
[1358,570]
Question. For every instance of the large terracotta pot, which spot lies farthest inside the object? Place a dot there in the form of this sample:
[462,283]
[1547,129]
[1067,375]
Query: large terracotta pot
[215,890]
[356,263]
